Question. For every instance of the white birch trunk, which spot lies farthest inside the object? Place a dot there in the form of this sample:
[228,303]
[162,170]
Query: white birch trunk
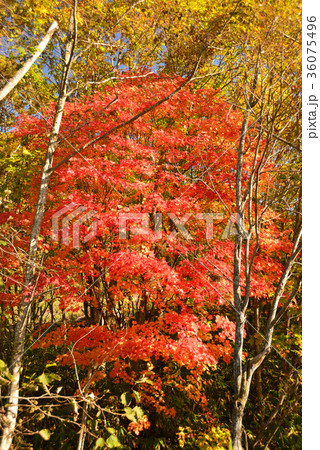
[27,65]
[25,306]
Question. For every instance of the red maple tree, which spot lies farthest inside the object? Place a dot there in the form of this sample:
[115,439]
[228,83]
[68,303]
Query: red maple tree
[153,301]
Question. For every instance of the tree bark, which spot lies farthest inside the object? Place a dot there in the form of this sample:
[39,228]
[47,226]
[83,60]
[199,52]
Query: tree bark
[237,416]
[83,430]
[258,379]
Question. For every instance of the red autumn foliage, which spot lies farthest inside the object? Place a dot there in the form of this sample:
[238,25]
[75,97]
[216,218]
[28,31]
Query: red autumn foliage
[146,299]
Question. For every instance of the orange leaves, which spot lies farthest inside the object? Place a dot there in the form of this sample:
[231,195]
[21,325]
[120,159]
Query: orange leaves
[137,426]
[9,300]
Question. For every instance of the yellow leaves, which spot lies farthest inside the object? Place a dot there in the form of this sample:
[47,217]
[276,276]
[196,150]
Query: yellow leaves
[197,6]
[182,436]
[217,438]
[79,18]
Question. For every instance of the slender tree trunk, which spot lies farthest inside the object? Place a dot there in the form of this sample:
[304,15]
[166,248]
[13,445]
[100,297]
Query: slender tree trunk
[26,302]
[236,430]
[258,380]
[238,409]
[27,65]
[83,430]
[243,373]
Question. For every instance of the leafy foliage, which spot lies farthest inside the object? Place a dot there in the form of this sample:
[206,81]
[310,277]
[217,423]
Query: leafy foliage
[154,328]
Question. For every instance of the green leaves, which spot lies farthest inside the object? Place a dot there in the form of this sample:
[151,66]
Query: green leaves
[45,434]
[100,443]
[137,396]
[48,378]
[113,441]
[125,398]
[133,413]
[130,414]
[138,411]
[3,366]
[4,372]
